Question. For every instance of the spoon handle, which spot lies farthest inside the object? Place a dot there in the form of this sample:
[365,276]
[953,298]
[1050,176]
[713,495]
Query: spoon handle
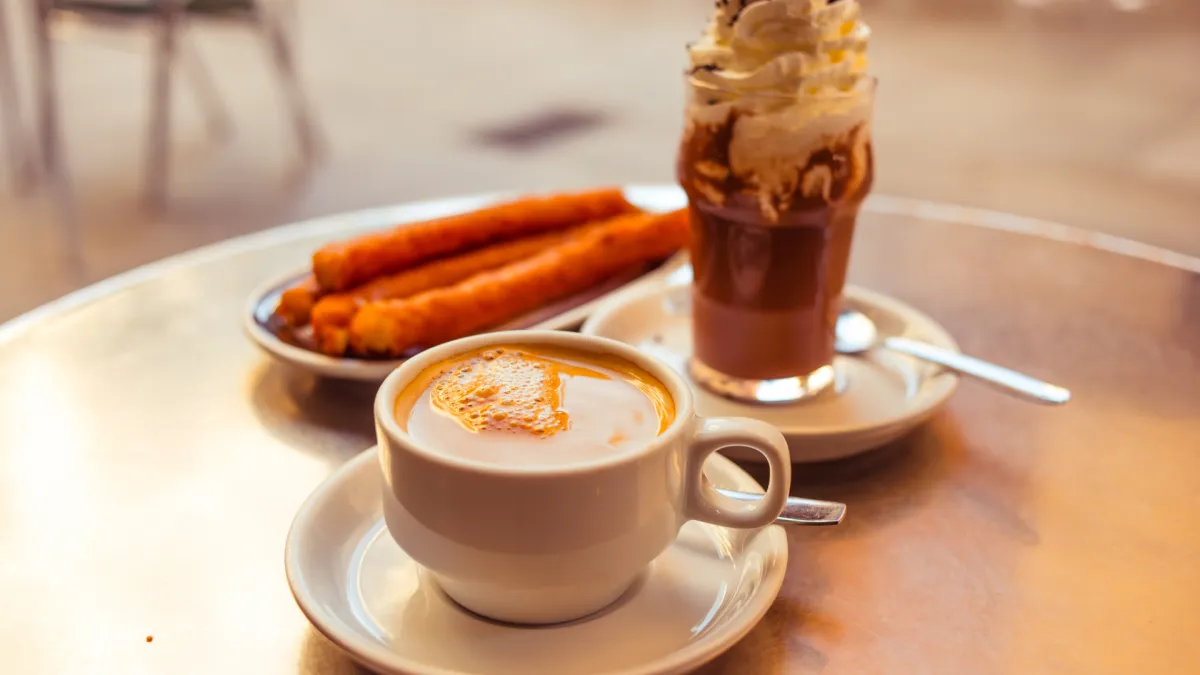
[797,510]
[1027,387]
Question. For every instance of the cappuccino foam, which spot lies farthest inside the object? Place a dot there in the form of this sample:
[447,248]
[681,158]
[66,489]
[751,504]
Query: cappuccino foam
[534,406]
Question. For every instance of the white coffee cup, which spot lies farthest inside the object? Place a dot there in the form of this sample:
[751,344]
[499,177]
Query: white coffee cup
[534,545]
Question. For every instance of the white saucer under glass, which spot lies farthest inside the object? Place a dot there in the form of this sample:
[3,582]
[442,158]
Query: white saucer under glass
[876,398]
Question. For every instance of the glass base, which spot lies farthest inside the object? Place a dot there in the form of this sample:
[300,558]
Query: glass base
[781,390]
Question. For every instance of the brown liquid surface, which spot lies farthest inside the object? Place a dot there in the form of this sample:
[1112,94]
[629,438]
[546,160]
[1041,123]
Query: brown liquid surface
[767,292]
[534,405]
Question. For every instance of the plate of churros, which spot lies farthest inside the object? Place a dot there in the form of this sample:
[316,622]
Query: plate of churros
[367,302]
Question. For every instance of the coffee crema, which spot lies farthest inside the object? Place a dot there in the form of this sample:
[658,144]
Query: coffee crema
[534,405]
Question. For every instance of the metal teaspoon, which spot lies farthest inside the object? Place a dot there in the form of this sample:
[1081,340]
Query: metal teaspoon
[856,333]
[798,511]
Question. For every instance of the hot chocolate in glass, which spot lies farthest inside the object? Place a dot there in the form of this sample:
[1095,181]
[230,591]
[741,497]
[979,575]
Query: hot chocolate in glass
[776,160]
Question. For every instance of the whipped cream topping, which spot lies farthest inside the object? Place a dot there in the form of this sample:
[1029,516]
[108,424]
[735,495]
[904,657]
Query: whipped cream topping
[791,78]
[790,47]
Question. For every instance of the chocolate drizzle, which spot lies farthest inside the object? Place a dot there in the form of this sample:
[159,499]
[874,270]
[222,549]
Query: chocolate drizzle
[742,4]
[828,176]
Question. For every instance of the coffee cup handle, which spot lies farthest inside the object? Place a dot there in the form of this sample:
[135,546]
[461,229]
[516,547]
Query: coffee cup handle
[704,503]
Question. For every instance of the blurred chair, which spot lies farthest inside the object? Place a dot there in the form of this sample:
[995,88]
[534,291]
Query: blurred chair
[12,140]
[169,21]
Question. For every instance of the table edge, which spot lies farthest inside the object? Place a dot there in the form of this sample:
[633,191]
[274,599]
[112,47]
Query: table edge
[1028,225]
[877,203]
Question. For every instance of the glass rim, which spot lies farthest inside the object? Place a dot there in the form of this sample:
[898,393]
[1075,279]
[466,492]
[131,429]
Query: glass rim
[868,89]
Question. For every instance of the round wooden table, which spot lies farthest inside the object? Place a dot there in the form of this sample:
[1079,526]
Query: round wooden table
[151,460]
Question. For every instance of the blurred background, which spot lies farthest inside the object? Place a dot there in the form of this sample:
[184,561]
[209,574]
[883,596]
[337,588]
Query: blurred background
[1085,112]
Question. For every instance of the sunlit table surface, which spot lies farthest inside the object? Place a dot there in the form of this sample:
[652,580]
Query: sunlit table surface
[151,460]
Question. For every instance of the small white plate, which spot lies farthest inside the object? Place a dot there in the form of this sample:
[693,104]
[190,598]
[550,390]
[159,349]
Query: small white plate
[360,589]
[879,397]
[565,314]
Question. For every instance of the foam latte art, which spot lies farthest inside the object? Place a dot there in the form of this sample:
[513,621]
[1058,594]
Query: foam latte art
[534,405]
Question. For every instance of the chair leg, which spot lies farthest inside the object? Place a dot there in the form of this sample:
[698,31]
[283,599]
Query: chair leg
[49,136]
[271,24]
[53,158]
[167,19]
[216,115]
[10,113]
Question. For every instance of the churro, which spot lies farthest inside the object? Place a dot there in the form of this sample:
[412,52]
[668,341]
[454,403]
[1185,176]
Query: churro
[297,302]
[343,265]
[393,327]
[333,313]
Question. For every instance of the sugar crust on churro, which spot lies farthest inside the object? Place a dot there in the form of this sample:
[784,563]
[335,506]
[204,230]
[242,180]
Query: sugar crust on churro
[388,293]
[391,327]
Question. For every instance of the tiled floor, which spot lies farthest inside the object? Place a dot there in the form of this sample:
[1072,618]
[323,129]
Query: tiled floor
[1073,110]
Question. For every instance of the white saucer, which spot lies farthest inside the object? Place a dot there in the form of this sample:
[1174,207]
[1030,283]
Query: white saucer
[358,588]
[879,397]
[564,314]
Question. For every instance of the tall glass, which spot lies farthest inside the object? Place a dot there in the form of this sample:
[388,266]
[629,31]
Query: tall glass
[774,184]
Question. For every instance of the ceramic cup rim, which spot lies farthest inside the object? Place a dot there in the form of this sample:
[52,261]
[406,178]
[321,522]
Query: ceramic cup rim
[385,398]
